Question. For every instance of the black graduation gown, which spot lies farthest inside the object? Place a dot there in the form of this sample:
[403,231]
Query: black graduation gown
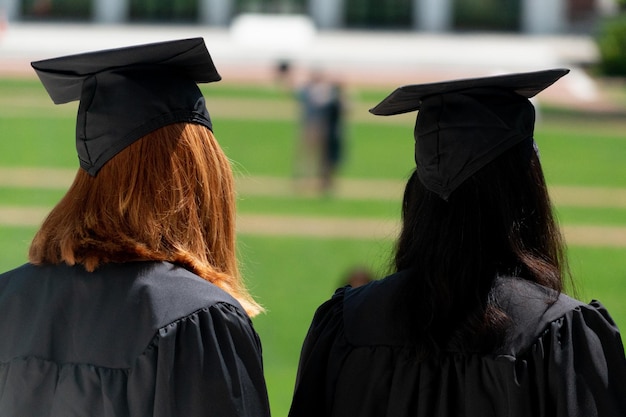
[128,340]
[563,359]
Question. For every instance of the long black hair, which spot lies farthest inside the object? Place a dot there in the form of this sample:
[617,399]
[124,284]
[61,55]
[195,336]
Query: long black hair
[499,222]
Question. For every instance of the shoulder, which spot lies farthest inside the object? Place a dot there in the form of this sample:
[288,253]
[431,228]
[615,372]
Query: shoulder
[175,291]
[17,271]
[119,307]
[369,314]
[535,311]
[169,290]
[161,293]
[526,302]
[374,296]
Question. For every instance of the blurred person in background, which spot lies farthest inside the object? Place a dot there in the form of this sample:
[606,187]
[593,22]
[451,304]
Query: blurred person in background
[357,276]
[320,148]
[314,98]
[283,74]
[334,136]
[473,320]
[131,303]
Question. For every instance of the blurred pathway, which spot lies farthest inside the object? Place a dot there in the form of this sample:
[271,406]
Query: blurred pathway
[335,227]
[324,226]
[348,189]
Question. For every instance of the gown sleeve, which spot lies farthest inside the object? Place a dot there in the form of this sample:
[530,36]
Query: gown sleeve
[585,363]
[209,364]
[320,359]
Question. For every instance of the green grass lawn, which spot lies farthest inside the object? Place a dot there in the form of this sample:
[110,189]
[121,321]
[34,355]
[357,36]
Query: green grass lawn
[292,276]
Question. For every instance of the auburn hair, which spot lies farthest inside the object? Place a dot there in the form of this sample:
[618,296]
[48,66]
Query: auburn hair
[169,196]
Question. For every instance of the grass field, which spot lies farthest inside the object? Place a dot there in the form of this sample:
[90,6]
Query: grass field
[291,275]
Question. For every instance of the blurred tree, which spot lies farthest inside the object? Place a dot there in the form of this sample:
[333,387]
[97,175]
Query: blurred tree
[271,6]
[611,41]
[164,11]
[489,15]
[376,14]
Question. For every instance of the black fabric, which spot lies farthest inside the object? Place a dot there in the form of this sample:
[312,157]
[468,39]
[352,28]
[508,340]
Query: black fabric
[126,93]
[561,359]
[128,340]
[462,125]
[456,134]
[409,98]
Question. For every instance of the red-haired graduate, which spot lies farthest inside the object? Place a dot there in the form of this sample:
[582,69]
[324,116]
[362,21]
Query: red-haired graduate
[131,303]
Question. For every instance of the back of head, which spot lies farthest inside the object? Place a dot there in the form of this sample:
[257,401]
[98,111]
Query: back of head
[154,184]
[500,221]
[497,223]
[475,208]
[169,196]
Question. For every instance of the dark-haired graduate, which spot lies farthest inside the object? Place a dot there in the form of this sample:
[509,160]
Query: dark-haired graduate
[473,321]
[131,304]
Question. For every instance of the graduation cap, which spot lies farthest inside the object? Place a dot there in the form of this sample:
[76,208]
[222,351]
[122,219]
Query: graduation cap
[462,125]
[126,93]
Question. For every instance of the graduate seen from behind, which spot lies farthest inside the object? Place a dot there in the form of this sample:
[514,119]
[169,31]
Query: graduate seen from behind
[473,320]
[131,303]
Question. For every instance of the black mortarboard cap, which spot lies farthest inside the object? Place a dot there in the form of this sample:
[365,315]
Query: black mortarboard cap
[462,125]
[126,93]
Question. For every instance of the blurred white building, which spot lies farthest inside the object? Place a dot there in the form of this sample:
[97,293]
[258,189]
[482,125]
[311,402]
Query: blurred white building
[517,16]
